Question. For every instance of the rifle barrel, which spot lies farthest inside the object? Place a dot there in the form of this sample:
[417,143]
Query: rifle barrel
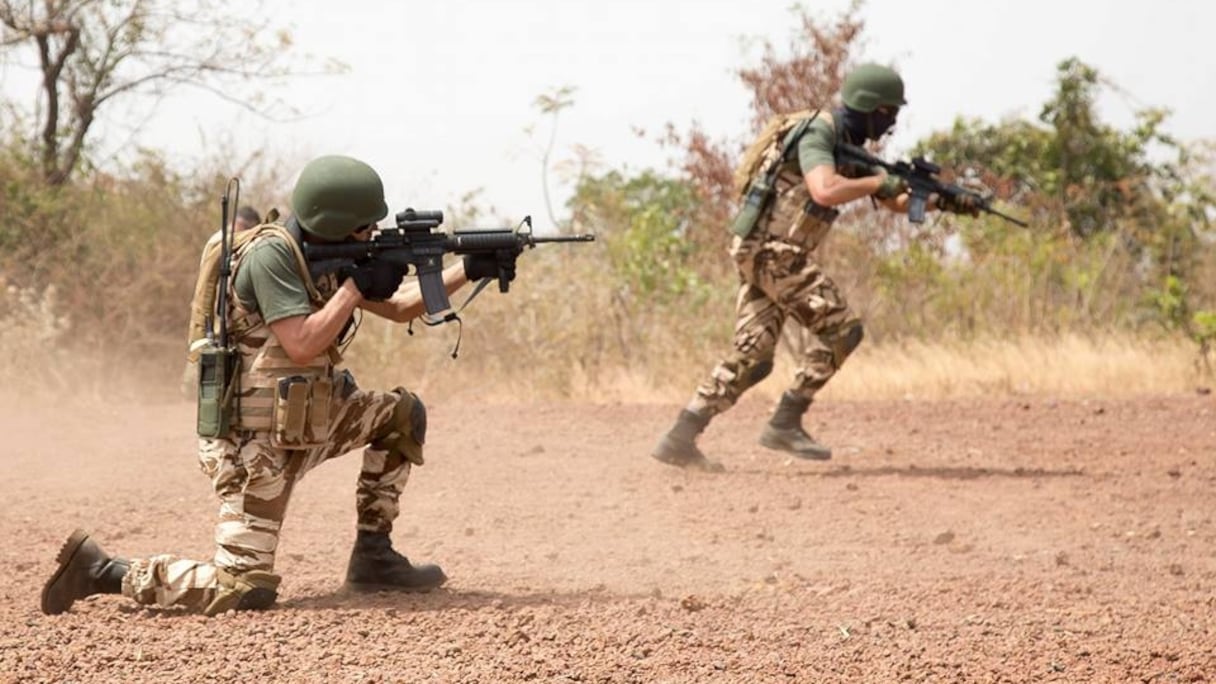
[585,237]
[1007,217]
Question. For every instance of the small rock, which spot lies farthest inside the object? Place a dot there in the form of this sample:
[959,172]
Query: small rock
[692,603]
[468,531]
[1174,472]
[852,486]
[753,508]
[677,488]
[944,538]
[1061,558]
[1176,569]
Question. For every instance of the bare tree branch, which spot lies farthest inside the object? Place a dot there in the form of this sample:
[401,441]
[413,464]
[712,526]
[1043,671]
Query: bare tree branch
[93,52]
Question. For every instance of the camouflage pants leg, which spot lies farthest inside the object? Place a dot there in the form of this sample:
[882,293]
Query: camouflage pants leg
[780,281]
[253,481]
[384,474]
[758,322]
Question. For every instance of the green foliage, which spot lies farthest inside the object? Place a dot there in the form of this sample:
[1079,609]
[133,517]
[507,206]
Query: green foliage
[1173,301]
[1078,171]
[120,251]
[1115,211]
[644,222]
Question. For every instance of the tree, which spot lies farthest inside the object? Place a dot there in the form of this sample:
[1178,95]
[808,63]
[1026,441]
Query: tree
[552,104]
[807,74]
[90,53]
[1138,197]
[1099,177]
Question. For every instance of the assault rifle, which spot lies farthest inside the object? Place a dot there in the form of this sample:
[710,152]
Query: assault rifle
[416,242]
[921,177]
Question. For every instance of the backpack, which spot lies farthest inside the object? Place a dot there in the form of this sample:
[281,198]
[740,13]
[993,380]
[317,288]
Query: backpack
[203,304]
[771,143]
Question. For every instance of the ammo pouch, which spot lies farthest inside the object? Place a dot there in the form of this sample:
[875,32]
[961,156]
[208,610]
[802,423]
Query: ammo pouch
[758,194]
[812,224]
[217,383]
[300,416]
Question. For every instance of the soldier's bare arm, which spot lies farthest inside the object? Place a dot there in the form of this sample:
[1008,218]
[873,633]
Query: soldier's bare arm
[407,304]
[830,189]
[305,337]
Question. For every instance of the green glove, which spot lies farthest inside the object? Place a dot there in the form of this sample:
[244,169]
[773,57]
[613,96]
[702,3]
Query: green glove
[892,187]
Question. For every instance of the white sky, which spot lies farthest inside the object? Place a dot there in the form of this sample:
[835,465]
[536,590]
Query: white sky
[439,93]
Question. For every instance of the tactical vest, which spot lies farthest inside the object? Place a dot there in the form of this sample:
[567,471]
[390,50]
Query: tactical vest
[791,216]
[277,395]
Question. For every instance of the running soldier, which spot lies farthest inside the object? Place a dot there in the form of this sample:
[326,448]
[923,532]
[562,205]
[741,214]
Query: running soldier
[790,186]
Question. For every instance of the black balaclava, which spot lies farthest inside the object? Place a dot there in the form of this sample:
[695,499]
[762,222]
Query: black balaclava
[861,126]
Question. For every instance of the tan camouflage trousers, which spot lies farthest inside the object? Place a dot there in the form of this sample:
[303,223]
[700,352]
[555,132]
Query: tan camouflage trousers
[254,481]
[779,282]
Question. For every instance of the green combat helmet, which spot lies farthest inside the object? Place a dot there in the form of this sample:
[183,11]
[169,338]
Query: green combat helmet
[337,194]
[871,86]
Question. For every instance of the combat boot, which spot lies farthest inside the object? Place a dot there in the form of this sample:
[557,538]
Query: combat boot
[678,447]
[375,566]
[784,430]
[84,570]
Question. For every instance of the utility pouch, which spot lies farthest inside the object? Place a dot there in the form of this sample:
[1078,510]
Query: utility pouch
[757,197]
[216,391]
[813,224]
[300,418]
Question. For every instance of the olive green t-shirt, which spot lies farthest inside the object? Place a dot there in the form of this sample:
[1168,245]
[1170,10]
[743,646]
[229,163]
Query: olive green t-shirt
[817,145]
[269,281]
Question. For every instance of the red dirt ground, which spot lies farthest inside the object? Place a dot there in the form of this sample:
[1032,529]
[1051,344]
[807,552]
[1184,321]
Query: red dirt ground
[999,540]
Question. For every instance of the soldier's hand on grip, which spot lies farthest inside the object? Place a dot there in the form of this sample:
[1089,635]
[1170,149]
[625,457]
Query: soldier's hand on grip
[892,186]
[377,280]
[500,263]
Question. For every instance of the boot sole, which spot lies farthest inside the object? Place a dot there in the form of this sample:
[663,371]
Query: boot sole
[703,465]
[360,588]
[824,455]
[688,462]
[66,553]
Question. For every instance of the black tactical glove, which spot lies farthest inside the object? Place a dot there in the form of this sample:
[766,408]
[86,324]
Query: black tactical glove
[962,203]
[376,279]
[501,262]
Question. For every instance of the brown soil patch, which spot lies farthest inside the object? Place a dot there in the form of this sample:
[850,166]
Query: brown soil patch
[995,540]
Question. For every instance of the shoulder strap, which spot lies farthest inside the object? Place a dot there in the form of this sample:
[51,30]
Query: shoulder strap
[787,145]
[267,230]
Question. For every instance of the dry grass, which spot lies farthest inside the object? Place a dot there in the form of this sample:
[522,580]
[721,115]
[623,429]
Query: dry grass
[1066,366]
[1072,366]
[504,359]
